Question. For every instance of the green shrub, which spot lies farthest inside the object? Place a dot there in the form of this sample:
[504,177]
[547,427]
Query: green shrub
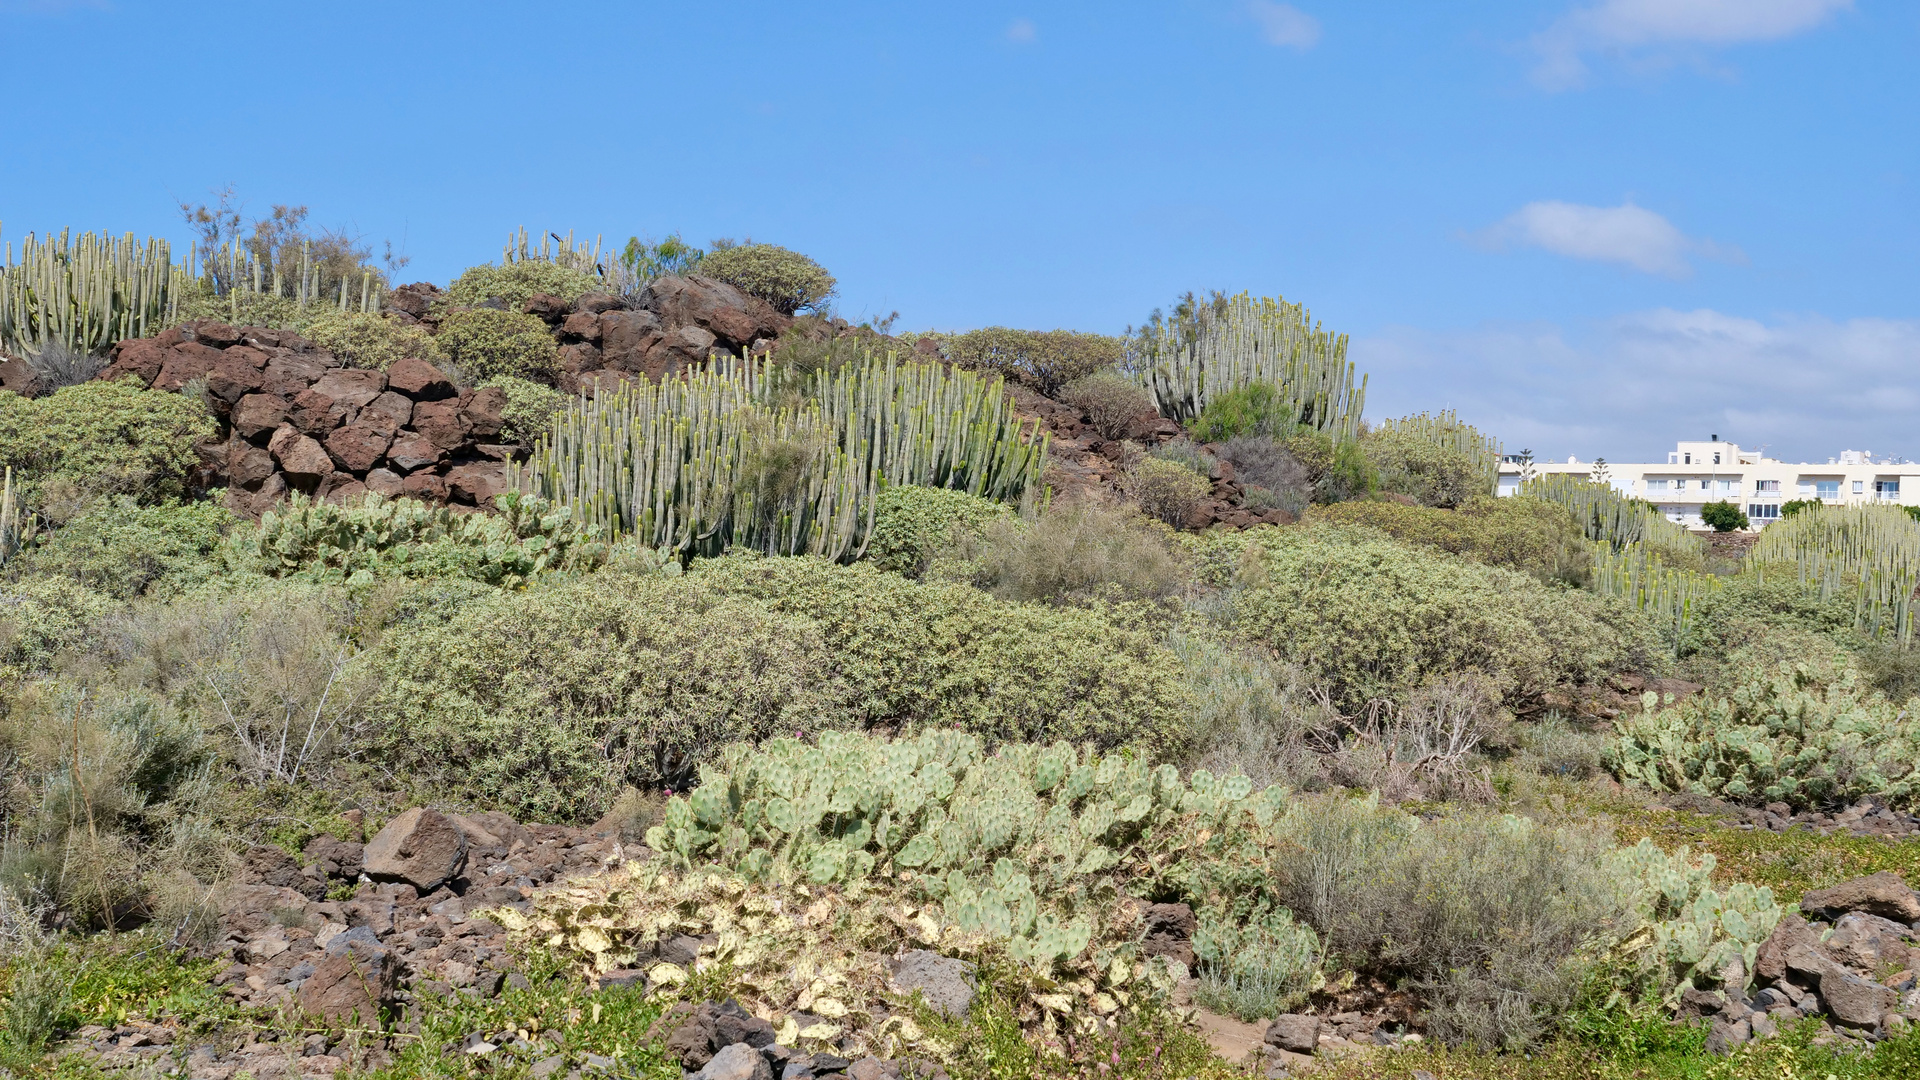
[1187,453]
[102,438]
[1044,360]
[944,655]
[531,408]
[1251,715]
[911,523]
[1809,734]
[1520,533]
[1255,970]
[1723,516]
[1747,607]
[381,538]
[1111,401]
[42,617]
[1254,409]
[1429,473]
[1167,490]
[1371,618]
[371,340]
[788,280]
[546,703]
[122,550]
[485,344]
[1073,551]
[1794,506]
[513,284]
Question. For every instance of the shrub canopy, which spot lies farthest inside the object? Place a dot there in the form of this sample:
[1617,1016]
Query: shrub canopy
[788,280]
[485,344]
[103,438]
[513,284]
[371,341]
[1044,360]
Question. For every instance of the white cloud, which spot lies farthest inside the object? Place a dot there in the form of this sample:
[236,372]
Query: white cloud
[1803,388]
[1626,234]
[1284,24]
[1649,26]
[1022,32]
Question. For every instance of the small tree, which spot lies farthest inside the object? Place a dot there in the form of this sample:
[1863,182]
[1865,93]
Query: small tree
[1794,506]
[1723,516]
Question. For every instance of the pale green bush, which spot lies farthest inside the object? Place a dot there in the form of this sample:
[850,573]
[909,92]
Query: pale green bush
[371,340]
[1167,490]
[788,280]
[1370,618]
[102,438]
[1072,551]
[121,549]
[513,284]
[484,343]
[1044,360]
[531,408]
[1807,733]
[911,524]
[1111,401]
[1257,969]
[42,617]
[546,703]
[948,655]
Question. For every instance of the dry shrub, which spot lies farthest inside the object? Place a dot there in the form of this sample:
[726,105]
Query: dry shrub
[1262,464]
[1075,549]
[1167,490]
[1251,715]
[1111,401]
[1425,748]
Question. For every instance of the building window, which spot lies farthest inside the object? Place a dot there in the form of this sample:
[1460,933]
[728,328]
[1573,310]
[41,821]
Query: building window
[1656,485]
[1859,487]
[1716,457]
[1826,489]
[1689,460]
[1886,489]
[1729,487]
[1766,487]
[1763,511]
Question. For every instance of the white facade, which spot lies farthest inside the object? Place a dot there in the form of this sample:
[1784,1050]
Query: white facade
[1697,473]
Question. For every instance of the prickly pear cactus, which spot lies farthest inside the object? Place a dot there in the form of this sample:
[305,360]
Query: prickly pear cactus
[1698,935]
[1017,844]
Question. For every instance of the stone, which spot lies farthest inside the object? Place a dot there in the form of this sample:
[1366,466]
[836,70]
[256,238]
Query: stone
[395,407]
[545,306]
[214,333]
[1763,1025]
[257,413]
[582,324]
[626,337]
[420,847]
[1869,943]
[1169,932]
[353,387]
[715,306]
[1855,1001]
[1727,1035]
[316,413]
[352,983]
[138,356]
[485,412]
[286,376]
[237,372]
[413,451]
[736,1062]
[945,983]
[414,300]
[1770,962]
[419,380]
[547,1067]
[184,363]
[360,446]
[477,482]
[580,356]
[1882,894]
[1295,1033]
[425,485]
[384,482]
[300,455]
[869,1068]
[594,303]
[442,422]
[247,464]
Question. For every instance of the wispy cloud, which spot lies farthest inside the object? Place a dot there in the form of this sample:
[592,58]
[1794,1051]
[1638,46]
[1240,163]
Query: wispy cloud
[1805,388]
[1023,32]
[1284,25]
[1627,234]
[1645,28]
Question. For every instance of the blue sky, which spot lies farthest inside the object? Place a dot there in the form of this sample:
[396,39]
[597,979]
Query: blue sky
[1592,226]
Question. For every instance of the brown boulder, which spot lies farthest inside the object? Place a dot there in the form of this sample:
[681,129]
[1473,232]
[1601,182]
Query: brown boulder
[343,489]
[1882,894]
[419,380]
[287,375]
[425,485]
[1854,1001]
[580,357]
[477,482]
[1770,964]
[184,363]
[316,413]
[413,451]
[546,306]
[485,412]
[237,372]
[247,909]
[247,464]
[582,324]
[421,847]
[352,984]
[138,356]
[413,300]
[719,308]
[395,407]
[213,332]
[1295,1033]
[335,857]
[681,348]
[594,303]
[384,482]
[299,454]
[360,446]
[1169,932]
[257,413]
[626,337]
[442,422]
[353,387]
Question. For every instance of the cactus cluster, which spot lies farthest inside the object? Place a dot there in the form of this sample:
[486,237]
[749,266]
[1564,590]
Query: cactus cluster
[234,271]
[1016,845]
[1446,431]
[1697,935]
[1616,519]
[701,463]
[1669,596]
[84,293]
[1257,341]
[1871,551]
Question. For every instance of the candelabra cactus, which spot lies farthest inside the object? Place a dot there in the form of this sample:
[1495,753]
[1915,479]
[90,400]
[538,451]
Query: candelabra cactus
[84,293]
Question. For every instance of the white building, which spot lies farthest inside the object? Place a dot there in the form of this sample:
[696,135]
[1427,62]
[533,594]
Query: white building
[1697,473]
